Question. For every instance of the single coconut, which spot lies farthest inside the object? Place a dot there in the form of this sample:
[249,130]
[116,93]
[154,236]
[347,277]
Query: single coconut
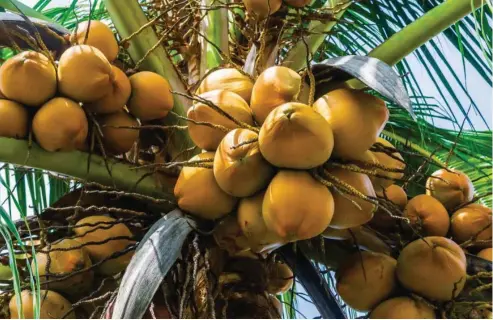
[253,225]
[396,195]
[118,137]
[60,125]
[28,78]
[295,136]
[280,278]
[116,99]
[84,74]
[452,188]
[262,8]
[273,87]
[472,221]
[14,120]
[198,192]
[403,308]
[99,35]
[62,261]
[151,96]
[229,237]
[433,267]
[356,118]
[387,178]
[296,206]
[239,168]
[427,216]
[349,210]
[206,137]
[486,254]
[366,279]
[229,79]
[97,229]
[52,306]
[298,3]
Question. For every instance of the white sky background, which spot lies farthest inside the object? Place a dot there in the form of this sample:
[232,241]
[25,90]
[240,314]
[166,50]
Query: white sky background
[480,92]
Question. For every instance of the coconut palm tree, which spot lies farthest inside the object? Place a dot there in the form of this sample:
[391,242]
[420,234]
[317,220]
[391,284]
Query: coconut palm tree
[387,47]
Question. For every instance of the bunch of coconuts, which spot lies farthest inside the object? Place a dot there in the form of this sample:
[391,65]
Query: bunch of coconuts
[59,96]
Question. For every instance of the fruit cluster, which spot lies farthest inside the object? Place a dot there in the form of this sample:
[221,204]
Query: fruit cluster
[61,96]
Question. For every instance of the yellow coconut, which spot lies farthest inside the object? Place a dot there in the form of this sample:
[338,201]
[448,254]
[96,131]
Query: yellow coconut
[394,194]
[366,279]
[90,229]
[427,216]
[298,3]
[294,136]
[262,8]
[60,125]
[118,137]
[486,254]
[351,211]
[403,308]
[296,206]
[13,119]
[229,79]
[356,118]
[206,137]
[84,74]
[280,278]
[239,168]
[275,86]
[151,96]
[99,35]
[229,237]
[52,306]
[116,99]
[207,201]
[451,188]
[433,267]
[253,225]
[28,78]
[472,221]
[387,161]
[63,263]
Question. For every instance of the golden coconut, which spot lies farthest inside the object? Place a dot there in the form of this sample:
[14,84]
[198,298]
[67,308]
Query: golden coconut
[473,220]
[298,3]
[229,237]
[89,230]
[427,216]
[280,278]
[116,99]
[229,79]
[52,306]
[240,170]
[366,279]
[60,125]
[451,188]
[198,192]
[63,263]
[386,160]
[253,225]
[208,138]
[394,194]
[118,140]
[403,308]
[99,35]
[151,96]
[84,74]
[275,86]
[13,120]
[433,267]
[486,254]
[262,8]
[28,78]
[356,118]
[351,211]
[296,206]
[294,136]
